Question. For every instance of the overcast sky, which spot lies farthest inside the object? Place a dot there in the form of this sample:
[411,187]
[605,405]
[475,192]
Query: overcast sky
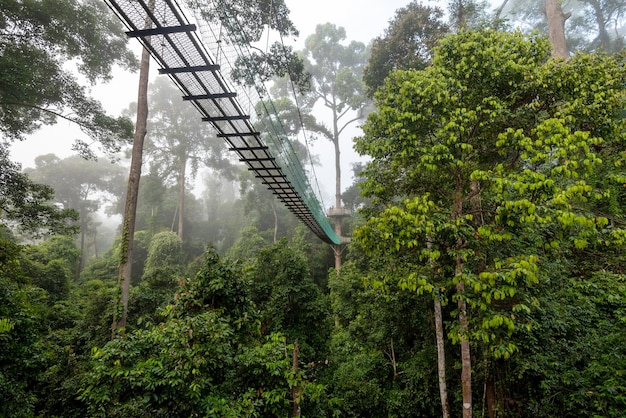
[363,21]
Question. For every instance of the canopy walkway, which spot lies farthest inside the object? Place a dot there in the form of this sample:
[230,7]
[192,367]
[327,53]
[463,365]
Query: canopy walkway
[199,60]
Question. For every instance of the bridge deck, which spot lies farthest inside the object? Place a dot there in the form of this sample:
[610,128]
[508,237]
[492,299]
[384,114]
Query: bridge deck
[162,28]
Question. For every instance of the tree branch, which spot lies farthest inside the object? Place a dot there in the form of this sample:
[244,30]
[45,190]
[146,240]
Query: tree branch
[52,112]
[359,116]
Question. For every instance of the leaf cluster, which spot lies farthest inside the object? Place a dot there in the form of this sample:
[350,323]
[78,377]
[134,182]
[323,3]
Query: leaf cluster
[37,40]
[407,43]
[26,205]
[488,156]
[244,23]
[205,356]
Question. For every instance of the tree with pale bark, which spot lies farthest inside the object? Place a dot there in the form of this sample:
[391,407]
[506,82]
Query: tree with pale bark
[336,70]
[587,25]
[482,172]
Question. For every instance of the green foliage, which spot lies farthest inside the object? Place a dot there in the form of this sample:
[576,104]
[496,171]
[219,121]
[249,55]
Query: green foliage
[81,185]
[408,43]
[52,265]
[26,205]
[165,259]
[470,119]
[318,256]
[494,168]
[38,43]
[47,321]
[61,247]
[218,286]
[485,170]
[39,39]
[381,361]
[163,268]
[18,352]
[336,71]
[246,248]
[289,301]
[244,22]
[574,363]
[104,268]
[205,357]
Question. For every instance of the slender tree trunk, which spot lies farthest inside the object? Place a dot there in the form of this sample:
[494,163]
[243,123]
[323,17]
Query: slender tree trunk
[441,360]
[337,248]
[490,395]
[275,221]
[466,363]
[556,28]
[500,9]
[603,35]
[81,258]
[337,174]
[392,357]
[295,390]
[460,17]
[95,243]
[132,191]
[441,353]
[181,198]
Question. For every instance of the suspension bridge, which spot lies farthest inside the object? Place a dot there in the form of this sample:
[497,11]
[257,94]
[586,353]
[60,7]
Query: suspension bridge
[199,59]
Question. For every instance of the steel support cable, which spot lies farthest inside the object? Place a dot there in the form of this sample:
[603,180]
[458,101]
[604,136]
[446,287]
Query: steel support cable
[288,160]
[306,140]
[303,128]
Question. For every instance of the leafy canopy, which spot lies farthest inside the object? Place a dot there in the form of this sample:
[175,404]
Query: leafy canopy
[38,41]
[408,43]
[26,205]
[489,157]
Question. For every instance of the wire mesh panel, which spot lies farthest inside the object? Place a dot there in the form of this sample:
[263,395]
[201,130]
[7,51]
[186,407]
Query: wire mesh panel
[200,65]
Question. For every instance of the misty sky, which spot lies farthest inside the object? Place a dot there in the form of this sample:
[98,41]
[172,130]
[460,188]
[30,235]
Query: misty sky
[363,21]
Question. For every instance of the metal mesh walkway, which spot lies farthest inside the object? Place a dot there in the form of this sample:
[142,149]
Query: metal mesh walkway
[200,66]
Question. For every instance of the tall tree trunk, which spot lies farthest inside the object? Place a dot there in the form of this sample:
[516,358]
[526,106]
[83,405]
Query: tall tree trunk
[81,258]
[466,362]
[441,360]
[295,391]
[275,221]
[95,243]
[441,353]
[132,191]
[556,28]
[499,10]
[337,174]
[181,198]
[603,35]
[490,395]
[337,250]
[459,18]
